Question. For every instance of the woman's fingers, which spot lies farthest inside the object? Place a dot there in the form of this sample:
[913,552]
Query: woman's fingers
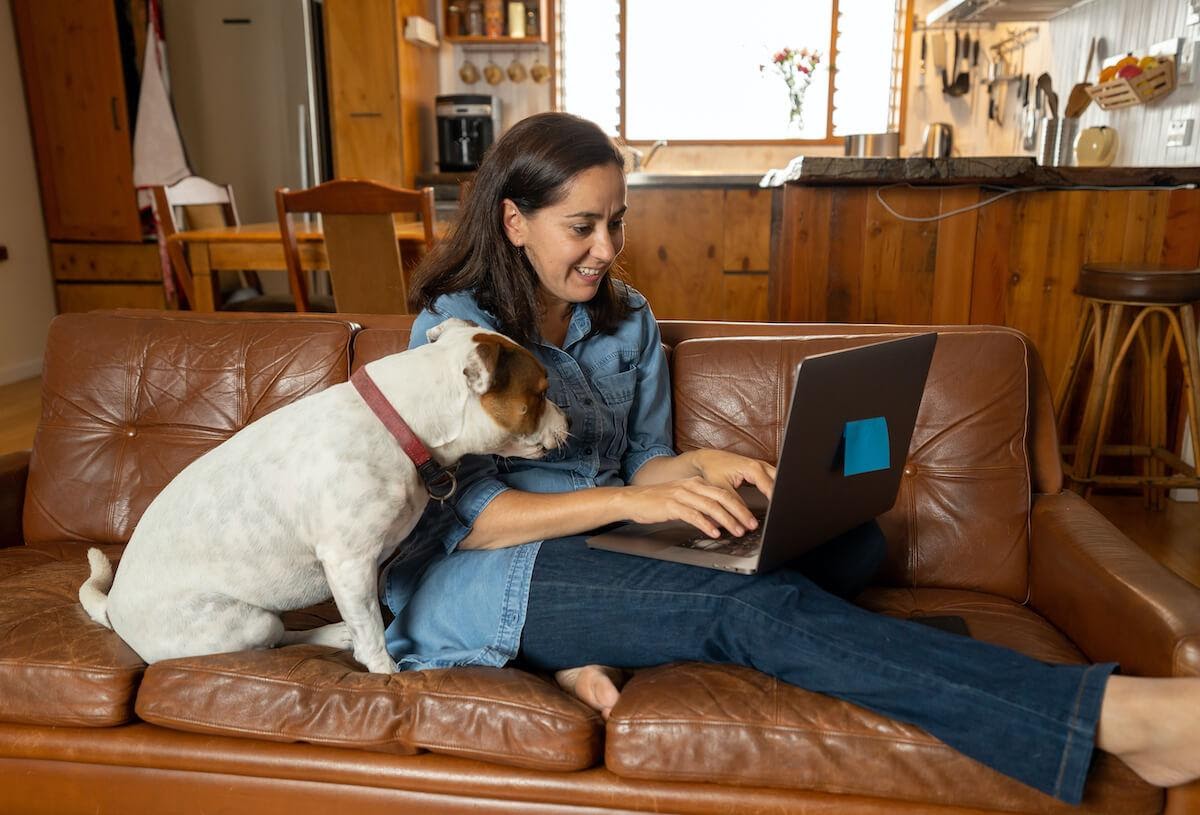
[706,507]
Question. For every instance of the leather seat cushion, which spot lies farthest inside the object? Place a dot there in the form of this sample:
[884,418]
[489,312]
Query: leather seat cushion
[731,725]
[308,693]
[57,666]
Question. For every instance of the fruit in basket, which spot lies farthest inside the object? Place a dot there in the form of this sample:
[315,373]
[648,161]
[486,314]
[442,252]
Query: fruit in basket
[1108,73]
[1148,62]
[1128,59]
[1129,71]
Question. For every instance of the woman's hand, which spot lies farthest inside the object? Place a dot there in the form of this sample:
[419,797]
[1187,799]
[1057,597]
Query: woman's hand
[692,500]
[730,470]
[698,487]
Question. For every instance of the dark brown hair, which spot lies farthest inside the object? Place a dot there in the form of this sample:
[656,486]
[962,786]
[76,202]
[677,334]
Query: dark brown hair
[531,165]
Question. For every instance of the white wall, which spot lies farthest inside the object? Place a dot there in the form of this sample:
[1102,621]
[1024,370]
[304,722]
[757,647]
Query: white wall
[26,291]
[1060,47]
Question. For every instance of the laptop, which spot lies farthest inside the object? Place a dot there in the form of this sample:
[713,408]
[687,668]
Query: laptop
[844,445]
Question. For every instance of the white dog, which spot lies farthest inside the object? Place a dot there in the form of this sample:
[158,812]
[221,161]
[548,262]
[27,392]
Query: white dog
[311,499]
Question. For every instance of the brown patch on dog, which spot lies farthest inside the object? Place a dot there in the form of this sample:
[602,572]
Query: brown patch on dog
[516,398]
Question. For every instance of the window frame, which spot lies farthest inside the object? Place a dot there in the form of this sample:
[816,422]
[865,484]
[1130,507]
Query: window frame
[831,61]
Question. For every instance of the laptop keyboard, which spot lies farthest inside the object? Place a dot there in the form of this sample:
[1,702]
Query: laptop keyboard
[742,546]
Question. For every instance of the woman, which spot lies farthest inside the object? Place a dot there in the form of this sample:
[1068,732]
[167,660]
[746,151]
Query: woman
[538,235]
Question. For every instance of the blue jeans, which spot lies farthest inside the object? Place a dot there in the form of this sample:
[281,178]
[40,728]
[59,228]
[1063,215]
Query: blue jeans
[1030,720]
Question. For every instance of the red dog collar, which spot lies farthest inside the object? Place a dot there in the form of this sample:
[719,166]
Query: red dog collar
[439,481]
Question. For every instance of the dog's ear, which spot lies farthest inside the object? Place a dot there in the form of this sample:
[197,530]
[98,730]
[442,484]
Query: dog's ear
[482,361]
[432,334]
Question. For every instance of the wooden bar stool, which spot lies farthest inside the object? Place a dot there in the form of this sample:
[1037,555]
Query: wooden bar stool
[1151,305]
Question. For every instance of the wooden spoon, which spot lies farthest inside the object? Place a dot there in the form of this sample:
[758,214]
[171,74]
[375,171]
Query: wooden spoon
[1079,100]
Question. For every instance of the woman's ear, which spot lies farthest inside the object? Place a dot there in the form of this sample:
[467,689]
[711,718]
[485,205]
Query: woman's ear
[514,222]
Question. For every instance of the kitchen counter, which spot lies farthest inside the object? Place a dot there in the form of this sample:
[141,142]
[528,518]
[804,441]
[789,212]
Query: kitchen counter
[1002,171]
[932,241]
[699,178]
[446,185]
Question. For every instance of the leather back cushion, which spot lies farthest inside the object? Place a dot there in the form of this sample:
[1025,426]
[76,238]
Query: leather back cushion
[129,401]
[961,517]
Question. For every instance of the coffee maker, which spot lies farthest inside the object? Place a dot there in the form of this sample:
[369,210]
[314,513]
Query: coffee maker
[467,125]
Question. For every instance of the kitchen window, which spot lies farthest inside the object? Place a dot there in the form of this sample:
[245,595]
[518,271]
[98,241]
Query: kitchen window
[689,72]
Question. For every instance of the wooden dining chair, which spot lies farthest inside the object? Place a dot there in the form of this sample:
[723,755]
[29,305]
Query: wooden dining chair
[197,203]
[367,268]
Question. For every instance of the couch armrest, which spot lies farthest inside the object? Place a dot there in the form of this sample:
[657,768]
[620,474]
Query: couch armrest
[14,470]
[1104,592]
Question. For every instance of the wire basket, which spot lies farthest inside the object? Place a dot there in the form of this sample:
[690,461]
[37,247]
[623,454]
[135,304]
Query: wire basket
[1146,86]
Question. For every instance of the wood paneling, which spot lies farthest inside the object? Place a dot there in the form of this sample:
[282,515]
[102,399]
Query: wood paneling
[744,296]
[106,262]
[381,90]
[674,250]
[839,255]
[747,230]
[89,296]
[75,89]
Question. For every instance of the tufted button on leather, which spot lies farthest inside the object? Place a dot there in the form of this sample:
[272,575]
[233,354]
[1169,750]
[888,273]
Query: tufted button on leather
[587,401]
[131,432]
[910,469]
[587,451]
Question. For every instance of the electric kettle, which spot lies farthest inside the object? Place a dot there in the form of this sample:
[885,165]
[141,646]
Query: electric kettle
[939,140]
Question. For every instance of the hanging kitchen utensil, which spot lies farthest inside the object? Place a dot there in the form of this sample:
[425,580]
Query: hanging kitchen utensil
[1044,89]
[1078,100]
[468,73]
[1030,114]
[938,46]
[516,69]
[962,81]
[921,71]
[538,72]
[493,73]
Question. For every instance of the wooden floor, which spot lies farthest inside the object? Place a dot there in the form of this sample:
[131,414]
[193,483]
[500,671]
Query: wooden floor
[1172,536]
[20,405]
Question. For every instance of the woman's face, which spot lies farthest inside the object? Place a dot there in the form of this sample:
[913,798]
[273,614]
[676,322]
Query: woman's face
[572,244]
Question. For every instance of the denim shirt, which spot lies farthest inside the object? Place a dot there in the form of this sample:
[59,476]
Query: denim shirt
[467,607]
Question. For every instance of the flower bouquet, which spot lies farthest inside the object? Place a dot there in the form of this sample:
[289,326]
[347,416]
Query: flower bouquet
[797,68]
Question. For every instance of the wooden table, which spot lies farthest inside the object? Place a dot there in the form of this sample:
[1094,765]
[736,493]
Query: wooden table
[259,247]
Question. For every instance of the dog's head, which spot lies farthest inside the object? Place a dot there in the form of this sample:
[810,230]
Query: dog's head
[504,409]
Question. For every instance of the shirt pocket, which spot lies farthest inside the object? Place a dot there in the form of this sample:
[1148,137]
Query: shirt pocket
[558,394]
[617,389]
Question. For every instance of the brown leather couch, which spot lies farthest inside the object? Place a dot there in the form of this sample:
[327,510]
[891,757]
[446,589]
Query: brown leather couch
[981,529]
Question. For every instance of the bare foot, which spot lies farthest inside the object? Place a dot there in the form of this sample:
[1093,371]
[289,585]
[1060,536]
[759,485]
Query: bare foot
[1153,725]
[594,685]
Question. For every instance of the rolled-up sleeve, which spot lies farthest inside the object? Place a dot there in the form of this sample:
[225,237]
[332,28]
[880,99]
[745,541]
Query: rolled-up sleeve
[476,475]
[649,428]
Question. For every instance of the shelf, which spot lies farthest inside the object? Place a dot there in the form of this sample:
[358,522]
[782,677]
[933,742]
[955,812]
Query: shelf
[499,42]
[540,8]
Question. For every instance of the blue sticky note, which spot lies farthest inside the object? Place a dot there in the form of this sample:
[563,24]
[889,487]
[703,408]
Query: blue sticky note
[867,448]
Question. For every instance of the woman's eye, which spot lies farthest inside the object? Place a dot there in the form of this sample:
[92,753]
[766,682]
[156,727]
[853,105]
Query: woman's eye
[613,226]
[582,229]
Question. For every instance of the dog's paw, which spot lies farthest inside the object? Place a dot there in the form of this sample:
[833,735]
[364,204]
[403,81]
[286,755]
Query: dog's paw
[380,665]
[334,635]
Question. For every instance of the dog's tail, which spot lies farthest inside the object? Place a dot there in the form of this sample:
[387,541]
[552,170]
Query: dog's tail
[93,594]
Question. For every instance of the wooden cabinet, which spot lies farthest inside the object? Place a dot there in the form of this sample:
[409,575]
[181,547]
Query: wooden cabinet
[90,276]
[841,257]
[700,253]
[381,90]
[75,90]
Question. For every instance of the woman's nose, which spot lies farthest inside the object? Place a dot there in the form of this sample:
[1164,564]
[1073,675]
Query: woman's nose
[602,246]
